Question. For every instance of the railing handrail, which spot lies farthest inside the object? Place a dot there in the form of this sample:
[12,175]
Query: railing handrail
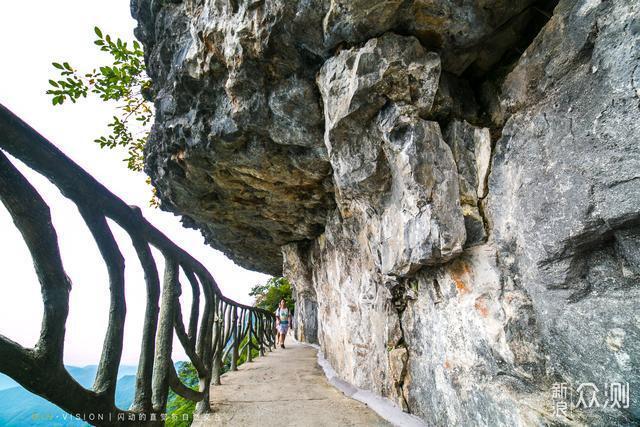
[226,327]
[25,143]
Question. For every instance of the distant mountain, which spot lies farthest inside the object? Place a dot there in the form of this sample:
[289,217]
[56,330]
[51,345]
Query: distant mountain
[21,408]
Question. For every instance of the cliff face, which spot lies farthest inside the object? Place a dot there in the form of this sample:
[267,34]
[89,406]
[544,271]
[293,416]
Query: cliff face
[453,187]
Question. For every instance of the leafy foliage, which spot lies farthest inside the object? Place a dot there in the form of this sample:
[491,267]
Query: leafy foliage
[242,356]
[268,296]
[178,406]
[124,81]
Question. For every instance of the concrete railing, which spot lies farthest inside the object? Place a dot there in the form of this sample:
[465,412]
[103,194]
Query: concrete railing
[221,331]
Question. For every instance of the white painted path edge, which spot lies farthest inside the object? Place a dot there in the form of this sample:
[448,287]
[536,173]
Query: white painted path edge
[382,406]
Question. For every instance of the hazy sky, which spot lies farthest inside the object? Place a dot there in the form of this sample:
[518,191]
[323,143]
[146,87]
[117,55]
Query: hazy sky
[34,33]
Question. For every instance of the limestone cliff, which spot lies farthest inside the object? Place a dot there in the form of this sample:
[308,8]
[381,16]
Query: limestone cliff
[452,186]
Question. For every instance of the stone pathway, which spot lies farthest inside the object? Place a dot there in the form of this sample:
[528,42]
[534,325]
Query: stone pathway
[285,388]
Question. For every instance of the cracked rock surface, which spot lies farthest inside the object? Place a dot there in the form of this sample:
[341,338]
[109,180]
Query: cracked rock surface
[452,187]
[237,147]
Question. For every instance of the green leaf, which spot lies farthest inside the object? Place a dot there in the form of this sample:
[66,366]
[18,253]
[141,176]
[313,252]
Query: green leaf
[123,79]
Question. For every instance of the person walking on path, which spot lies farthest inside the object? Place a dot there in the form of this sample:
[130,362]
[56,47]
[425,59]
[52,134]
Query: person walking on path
[282,323]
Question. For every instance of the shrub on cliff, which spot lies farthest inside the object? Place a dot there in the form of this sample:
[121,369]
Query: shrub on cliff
[122,80]
[268,296]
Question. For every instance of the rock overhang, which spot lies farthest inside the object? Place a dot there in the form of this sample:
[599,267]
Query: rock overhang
[240,145]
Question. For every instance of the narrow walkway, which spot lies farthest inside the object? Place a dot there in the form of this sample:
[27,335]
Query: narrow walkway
[285,388]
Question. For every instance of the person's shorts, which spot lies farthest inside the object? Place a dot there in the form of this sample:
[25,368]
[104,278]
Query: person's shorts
[283,328]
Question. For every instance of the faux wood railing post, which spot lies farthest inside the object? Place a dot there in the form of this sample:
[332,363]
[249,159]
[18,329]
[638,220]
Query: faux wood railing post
[236,341]
[164,341]
[143,394]
[195,307]
[261,334]
[216,369]
[107,375]
[203,347]
[250,337]
[216,364]
[270,340]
